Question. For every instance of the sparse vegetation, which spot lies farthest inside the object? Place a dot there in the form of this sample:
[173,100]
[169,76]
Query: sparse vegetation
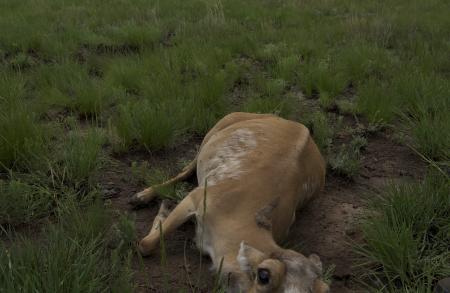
[81,157]
[407,234]
[21,138]
[322,130]
[346,160]
[81,81]
[21,203]
[281,106]
[149,125]
[73,253]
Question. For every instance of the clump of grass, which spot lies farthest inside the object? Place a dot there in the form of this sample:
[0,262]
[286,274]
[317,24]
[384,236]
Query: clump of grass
[274,87]
[71,86]
[320,129]
[431,134]
[204,102]
[362,60]
[326,100]
[421,102]
[149,124]
[140,171]
[424,113]
[83,224]
[89,97]
[21,61]
[21,202]
[271,52]
[123,234]
[130,73]
[322,78]
[200,118]
[12,87]
[287,68]
[282,106]
[327,276]
[73,254]
[135,36]
[346,107]
[376,103]
[406,236]
[346,161]
[81,157]
[22,139]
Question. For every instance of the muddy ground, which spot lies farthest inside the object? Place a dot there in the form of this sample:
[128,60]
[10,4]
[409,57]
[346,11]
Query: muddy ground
[326,226]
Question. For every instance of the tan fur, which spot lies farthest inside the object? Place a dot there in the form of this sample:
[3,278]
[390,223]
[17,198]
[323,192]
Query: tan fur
[258,169]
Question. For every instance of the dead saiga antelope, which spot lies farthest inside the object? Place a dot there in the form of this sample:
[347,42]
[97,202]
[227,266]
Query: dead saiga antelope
[258,169]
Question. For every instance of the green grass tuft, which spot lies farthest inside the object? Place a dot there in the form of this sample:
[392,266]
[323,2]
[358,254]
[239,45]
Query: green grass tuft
[70,85]
[321,130]
[72,258]
[322,78]
[21,137]
[346,160]
[21,203]
[153,126]
[282,106]
[406,236]
[81,157]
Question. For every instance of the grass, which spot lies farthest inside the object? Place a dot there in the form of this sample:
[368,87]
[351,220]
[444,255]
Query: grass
[81,157]
[128,73]
[406,236]
[346,160]
[70,85]
[281,106]
[21,202]
[22,140]
[64,175]
[72,257]
[429,137]
[151,74]
[343,159]
[327,276]
[322,78]
[147,124]
[323,134]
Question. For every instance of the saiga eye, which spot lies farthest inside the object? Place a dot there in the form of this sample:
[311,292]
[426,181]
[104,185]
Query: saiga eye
[263,276]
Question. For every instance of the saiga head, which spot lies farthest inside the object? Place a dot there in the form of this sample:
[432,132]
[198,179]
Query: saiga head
[285,271]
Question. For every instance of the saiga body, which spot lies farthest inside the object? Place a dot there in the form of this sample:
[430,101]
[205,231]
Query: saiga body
[254,171]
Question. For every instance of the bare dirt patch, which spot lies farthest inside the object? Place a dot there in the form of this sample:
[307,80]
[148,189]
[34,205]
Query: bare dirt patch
[329,224]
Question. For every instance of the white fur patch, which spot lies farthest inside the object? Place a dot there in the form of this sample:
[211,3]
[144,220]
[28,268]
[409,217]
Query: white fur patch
[203,240]
[226,163]
[291,289]
[305,187]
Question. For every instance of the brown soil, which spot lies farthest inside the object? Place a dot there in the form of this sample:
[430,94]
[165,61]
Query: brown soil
[326,226]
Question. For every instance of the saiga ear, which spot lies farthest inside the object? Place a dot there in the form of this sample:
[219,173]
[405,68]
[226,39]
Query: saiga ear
[315,259]
[249,258]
